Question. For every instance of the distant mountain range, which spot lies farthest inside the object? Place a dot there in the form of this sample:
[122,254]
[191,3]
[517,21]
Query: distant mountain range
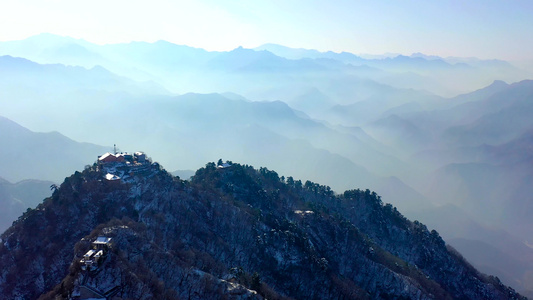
[383,123]
[487,246]
[45,156]
[443,76]
[16,198]
[187,69]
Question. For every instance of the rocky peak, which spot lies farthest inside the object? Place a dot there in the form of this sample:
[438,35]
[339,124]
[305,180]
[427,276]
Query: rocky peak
[231,232]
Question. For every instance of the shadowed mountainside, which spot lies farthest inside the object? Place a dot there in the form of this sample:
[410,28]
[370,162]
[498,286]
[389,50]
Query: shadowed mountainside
[235,228]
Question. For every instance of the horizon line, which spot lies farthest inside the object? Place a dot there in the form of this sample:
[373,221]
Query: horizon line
[383,55]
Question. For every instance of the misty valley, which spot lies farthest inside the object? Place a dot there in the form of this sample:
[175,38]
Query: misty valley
[274,172]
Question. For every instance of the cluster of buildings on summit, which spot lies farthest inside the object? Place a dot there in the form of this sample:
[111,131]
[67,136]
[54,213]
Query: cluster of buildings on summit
[121,166]
[123,157]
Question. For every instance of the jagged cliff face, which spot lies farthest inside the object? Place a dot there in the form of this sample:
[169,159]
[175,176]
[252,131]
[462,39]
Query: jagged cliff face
[232,232]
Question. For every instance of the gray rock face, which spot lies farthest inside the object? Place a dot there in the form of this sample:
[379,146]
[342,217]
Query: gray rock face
[234,232]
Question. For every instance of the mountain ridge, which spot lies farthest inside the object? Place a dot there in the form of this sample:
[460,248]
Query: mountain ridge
[57,154]
[302,234]
[482,142]
[155,61]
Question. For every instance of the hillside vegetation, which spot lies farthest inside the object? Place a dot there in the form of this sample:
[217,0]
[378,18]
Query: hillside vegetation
[233,232]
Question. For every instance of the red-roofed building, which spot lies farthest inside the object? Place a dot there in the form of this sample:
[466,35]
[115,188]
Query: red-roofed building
[110,157]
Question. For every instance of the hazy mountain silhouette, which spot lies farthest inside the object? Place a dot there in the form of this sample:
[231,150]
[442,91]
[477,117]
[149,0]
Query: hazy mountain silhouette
[499,96]
[183,174]
[476,118]
[16,198]
[444,76]
[203,127]
[399,133]
[47,156]
[377,104]
[483,93]
[492,250]
[292,53]
[174,65]
[15,72]
[506,115]
[49,48]
[338,118]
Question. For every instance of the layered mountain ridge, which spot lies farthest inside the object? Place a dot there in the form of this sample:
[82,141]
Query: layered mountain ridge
[36,155]
[344,120]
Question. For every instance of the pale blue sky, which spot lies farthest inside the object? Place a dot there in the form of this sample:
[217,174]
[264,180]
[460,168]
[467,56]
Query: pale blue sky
[486,29]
